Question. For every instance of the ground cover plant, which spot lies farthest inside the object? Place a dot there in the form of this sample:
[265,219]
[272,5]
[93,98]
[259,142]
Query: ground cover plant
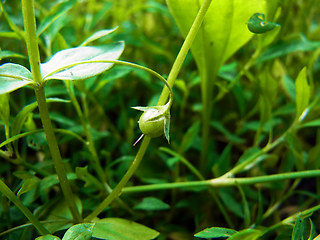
[227,93]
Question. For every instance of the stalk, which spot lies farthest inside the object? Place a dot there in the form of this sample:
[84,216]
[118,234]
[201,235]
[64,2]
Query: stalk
[162,100]
[118,189]
[5,190]
[34,59]
[55,154]
[224,182]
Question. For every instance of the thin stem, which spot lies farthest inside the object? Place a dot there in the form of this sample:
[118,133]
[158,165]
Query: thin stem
[118,189]
[118,62]
[224,181]
[5,190]
[34,59]
[176,67]
[55,154]
[162,100]
[31,38]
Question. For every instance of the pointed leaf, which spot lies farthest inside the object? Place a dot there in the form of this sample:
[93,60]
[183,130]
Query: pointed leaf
[22,116]
[97,35]
[66,64]
[28,185]
[13,76]
[152,204]
[215,232]
[302,93]
[167,128]
[54,13]
[122,229]
[299,228]
[190,136]
[313,232]
[246,234]
[81,231]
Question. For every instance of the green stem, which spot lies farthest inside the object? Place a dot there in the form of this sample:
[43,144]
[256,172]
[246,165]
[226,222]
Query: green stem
[55,154]
[29,22]
[176,67]
[224,181]
[5,190]
[162,100]
[34,59]
[118,189]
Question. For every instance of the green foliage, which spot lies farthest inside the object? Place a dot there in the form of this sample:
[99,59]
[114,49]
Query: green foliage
[243,157]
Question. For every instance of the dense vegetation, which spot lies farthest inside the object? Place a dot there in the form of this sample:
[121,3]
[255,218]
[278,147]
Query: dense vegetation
[244,141]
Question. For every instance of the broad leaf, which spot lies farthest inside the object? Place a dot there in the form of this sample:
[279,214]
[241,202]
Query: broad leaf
[224,29]
[215,232]
[66,64]
[13,76]
[122,229]
[223,32]
[48,237]
[302,93]
[81,231]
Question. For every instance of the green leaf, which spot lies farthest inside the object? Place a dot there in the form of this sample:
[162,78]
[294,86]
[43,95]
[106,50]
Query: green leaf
[285,47]
[313,123]
[60,216]
[190,136]
[20,119]
[54,13]
[222,33]
[122,229]
[66,64]
[13,76]
[10,54]
[289,86]
[313,232]
[246,234]
[152,204]
[299,229]
[302,93]
[28,185]
[97,35]
[167,128]
[81,231]
[48,237]
[233,138]
[215,232]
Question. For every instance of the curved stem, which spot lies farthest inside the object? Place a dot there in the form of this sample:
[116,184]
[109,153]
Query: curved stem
[5,190]
[162,100]
[118,62]
[118,189]
[185,49]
